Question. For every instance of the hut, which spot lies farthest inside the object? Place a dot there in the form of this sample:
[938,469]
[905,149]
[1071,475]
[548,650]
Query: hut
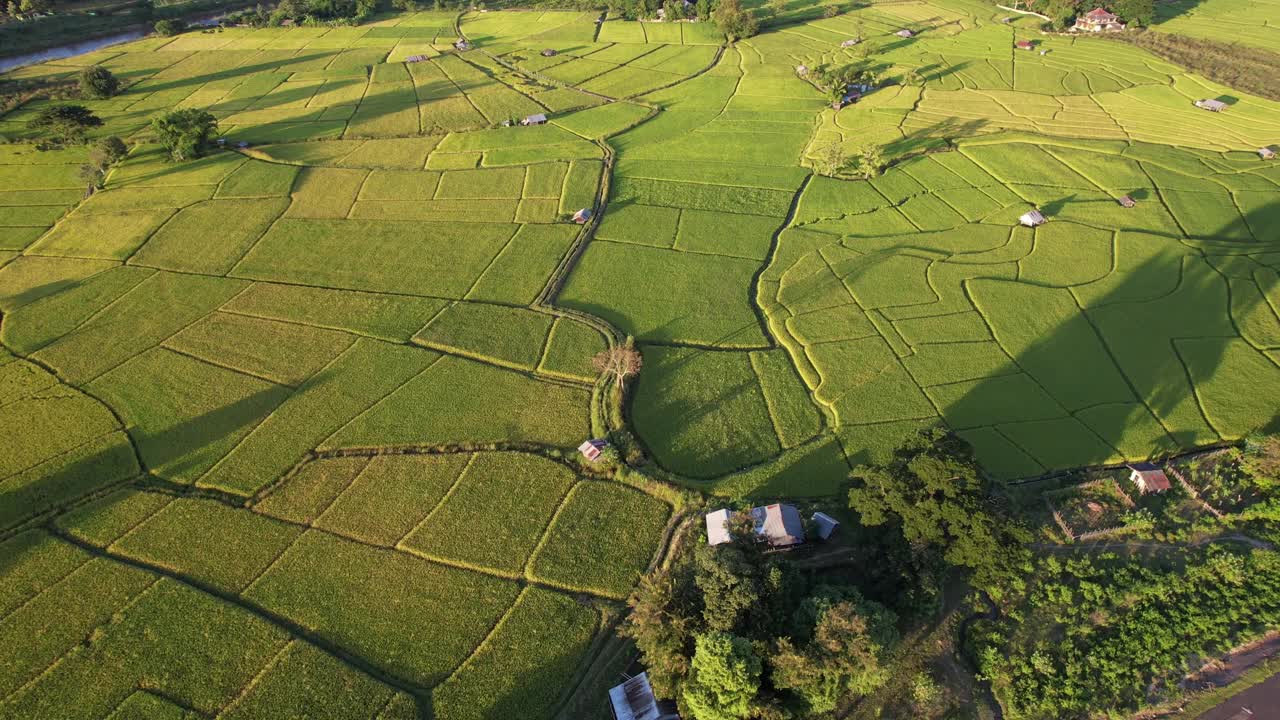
[591,449]
[1211,105]
[1024,45]
[462,45]
[538,119]
[1032,218]
[582,216]
[825,525]
[1097,20]
[1126,201]
[777,524]
[849,43]
[1266,153]
[550,52]
[1149,478]
[905,33]
[634,700]
[802,70]
[415,58]
[242,144]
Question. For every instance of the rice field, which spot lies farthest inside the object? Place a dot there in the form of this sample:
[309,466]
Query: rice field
[292,427]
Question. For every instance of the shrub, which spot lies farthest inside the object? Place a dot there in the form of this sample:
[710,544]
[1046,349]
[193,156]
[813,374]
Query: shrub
[169,28]
[97,83]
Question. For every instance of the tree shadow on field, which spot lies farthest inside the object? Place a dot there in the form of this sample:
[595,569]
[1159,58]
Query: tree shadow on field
[933,136]
[1170,358]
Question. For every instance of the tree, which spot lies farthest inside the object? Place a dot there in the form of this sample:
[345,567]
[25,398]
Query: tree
[831,159]
[1135,12]
[31,7]
[724,678]
[1060,12]
[703,9]
[843,656]
[406,5]
[169,28]
[733,20]
[665,612]
[620,361]
[870,161]
[933,492]
[674,10]
[97,83]
[184,132]
[64,123]
[833,10]
[777,7]
[105,153]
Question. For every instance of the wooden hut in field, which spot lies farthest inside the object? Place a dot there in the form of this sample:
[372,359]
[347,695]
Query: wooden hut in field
[802,70]
[1024,45]
[462,45]
[550,52]
[538,119]
[582,216]
[1149,478]
[1126,201]
[849,43]
[634,700]
[1211,105]
[1266,153]
[905,33]
[591,449]
[1032,218]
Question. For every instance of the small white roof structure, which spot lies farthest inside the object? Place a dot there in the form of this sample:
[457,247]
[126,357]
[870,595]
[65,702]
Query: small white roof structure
[779,524]
[591,449]
[1266,153]
[826,524]
[634,700]
[462,45]
[1211,105]
[850,42]
[718,527]
[537,119]
[905,33]
[550,52]
[1126,201]
[802,70]
[1032,218]
[582,216]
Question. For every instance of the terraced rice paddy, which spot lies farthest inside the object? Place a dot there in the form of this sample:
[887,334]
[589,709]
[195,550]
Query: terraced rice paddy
[292,425]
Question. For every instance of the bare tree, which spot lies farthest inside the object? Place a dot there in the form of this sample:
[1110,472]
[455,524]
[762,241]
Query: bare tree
[620,361]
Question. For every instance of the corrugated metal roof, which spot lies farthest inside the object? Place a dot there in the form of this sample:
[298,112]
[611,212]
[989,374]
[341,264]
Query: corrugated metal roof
[826,524]
[779,524]
[718,527]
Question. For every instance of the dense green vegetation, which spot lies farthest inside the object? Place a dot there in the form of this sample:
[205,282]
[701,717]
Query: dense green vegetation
[301,336]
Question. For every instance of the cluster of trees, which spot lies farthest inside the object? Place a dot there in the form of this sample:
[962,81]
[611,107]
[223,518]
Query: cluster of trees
[733,632]
[324,11]
[1062,13]
[184,133]
[1253,70]
[105,152]
[19,9]
[934,495]
[1110,635]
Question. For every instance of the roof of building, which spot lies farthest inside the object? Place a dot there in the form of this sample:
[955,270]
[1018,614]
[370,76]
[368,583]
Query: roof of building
[1153,478]
[537,118]
[904,33]
[1032,216]
[583,214]
[779,524]
[1126,201]
[849,43]
[634,700]
[1100,14]
[1211,104]
[1023,43]
[826,524]
[1266,152]
[718,527]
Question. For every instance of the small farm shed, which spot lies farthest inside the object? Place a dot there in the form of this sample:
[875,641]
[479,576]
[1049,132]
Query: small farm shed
[634,700]
[718,527]
[415,58]
[591,449]
[1211,105]
[1126,201]
[905,33]
[777,524]
[825,524]
[538,119]
[1024,45]
[1149,478]
[850,43]
[1266,153]
[550,52]
[1032,218]
[582,216]
[802,70]
[462,45]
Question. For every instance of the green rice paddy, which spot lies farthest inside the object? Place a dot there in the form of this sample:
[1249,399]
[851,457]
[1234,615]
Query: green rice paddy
[291,426]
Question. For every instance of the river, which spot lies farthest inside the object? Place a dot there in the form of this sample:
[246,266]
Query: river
[88,46]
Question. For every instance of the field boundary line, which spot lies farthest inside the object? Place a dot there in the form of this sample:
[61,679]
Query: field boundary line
[48,587]
[262,671]
[457,480]
[545,535]
[484,642]
[379,401]
[79,645]
[337,496]
[261,612]
[228,368]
